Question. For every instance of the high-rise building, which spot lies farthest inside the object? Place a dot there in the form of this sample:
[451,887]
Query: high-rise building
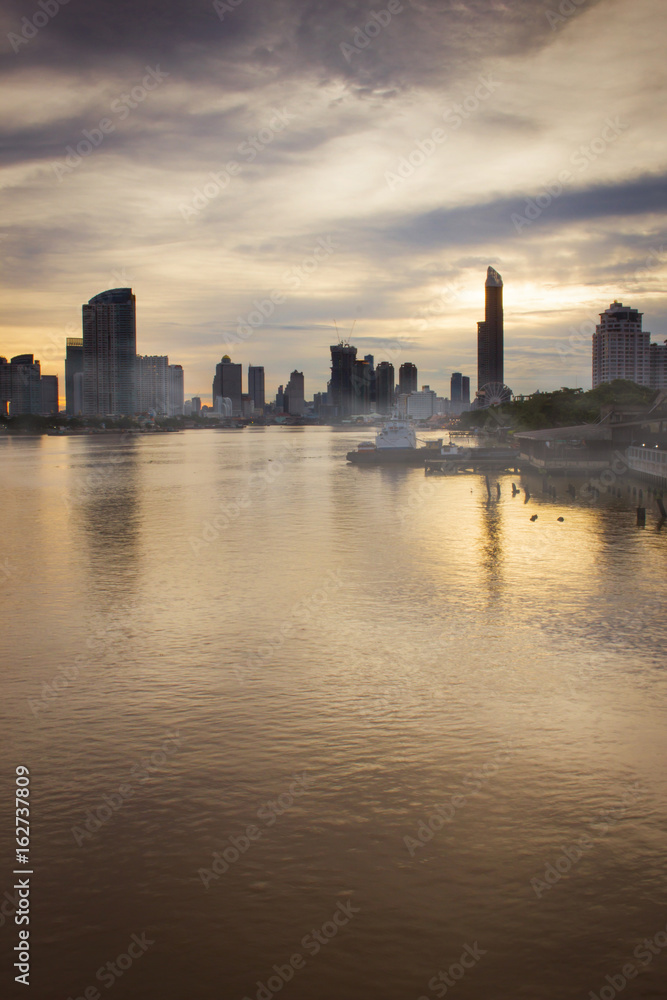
[109,354]
[490,334]
[421,405]
[20,386]
[175,391]
[658,365]
[153,384]
[256,386]
[280,400]
[459,393]
[196,405]
[73,366]
[294,395]
[407,379]
[49,386]
[341,385]
[228,384]
[385,387]
[362,379]
[621,349]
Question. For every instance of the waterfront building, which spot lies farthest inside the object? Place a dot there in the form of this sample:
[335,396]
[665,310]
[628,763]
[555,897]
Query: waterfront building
[20,386]
[459,393]
[176,391]
[153,384]
[73,367]
[490,334]
[49,402]
[341,385]
[362,379]
[422,405]
[407,379]
[621,349]
[196,406]
[256,387]
[228,383]
[280,400]
[109,354]
[385,387]
[294,403]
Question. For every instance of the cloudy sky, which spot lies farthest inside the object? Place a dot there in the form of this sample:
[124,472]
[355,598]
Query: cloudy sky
[261,170]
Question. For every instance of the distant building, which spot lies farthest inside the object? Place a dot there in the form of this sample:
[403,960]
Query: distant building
[362,381]
[385,387]
[490,334]
[280,400]
[109,354]
[621,349]
[49,386]
[658,365]
[407,379]
[459,393]
[256,387]
[73,367]
[196,406]
[294,403]
[153,384]
[20,386]
[341,386]
[228,383]
[176,391]
[421,405]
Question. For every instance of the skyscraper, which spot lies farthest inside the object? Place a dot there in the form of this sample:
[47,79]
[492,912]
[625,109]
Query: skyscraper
[362,379]
[490,334]
[73,366]
[20,386]
[341,386]
[109,354]
[294,395]
[153,384]
[407,379]
[175,391]
[256,386]
[385,385]
[227,384]
[621,349]
[49,387]
[456,388]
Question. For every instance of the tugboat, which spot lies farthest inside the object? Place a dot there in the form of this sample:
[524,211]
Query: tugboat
[395,444]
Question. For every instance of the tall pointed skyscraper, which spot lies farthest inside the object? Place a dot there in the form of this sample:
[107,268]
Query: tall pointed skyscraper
[490,335]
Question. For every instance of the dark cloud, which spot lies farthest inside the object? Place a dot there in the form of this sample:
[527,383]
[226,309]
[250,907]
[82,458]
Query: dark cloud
[426,42]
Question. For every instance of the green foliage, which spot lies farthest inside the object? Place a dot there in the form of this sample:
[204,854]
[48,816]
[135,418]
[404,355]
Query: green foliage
[562,408]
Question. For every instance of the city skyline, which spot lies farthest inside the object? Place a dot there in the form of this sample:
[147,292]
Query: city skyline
[302,184]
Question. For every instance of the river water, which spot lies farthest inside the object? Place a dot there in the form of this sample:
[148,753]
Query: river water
[324,732]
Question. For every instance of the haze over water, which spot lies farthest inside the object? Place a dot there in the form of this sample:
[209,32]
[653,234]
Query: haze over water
[434,645]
